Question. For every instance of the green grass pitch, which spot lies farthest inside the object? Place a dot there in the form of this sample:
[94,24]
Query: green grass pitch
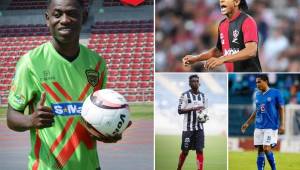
[167,149]
[247,160]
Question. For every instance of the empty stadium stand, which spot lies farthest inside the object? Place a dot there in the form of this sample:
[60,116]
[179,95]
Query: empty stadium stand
[129,54]
[32,4]
[127,47]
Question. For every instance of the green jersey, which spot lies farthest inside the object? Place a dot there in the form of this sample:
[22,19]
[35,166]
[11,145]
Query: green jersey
[67,144]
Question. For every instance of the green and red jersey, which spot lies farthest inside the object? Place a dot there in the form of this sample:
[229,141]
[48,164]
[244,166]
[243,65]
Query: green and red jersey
[67,144]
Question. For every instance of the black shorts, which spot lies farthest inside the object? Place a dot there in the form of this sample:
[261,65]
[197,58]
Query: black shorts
[192,140]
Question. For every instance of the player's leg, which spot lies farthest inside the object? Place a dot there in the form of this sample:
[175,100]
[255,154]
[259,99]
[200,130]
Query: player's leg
[260,158]
[185,147]
[270,140]
[258,142]
[199,145]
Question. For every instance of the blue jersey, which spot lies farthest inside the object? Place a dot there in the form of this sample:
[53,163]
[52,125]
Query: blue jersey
[267,109]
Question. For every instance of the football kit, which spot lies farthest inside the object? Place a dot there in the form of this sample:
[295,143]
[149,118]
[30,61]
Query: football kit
[267,116]
[193,133]
[233,34]
[67,144]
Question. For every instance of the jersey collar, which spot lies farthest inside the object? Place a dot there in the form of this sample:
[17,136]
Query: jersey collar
[198,92]
[235,16]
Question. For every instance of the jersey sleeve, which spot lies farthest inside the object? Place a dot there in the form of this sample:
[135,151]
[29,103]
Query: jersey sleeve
[182,102]
[279,99]
[249,29]
[104,74]
[219,43]
[22,88]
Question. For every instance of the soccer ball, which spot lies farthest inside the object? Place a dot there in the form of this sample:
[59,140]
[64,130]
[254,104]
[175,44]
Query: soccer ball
[202,117]
[106,111]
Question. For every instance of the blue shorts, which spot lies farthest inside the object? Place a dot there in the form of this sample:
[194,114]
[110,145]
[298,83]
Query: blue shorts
[192,140]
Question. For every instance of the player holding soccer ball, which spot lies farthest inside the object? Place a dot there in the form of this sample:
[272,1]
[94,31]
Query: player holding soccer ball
[191,105]
[68,72]
[269,121]
[237,41]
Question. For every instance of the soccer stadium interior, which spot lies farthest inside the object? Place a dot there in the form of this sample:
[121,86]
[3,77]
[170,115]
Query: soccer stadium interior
[241,95]
[122,34]
[191,27]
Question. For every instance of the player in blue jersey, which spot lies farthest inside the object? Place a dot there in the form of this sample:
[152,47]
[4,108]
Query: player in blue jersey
[269,121]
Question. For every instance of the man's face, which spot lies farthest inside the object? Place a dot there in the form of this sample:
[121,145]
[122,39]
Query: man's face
[194,83]
[64,19]
[261,84]
[227,6]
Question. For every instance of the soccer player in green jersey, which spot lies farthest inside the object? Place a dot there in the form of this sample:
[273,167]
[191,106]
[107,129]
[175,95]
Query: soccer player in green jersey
[52,80]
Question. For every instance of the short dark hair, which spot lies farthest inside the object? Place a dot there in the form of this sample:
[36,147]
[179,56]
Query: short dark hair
[243,5]
[80,2]
[193,76]
[263,77]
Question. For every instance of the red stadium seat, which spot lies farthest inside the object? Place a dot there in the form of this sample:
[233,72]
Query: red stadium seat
[123,78]
[124,72]
[134,78]
[132,84]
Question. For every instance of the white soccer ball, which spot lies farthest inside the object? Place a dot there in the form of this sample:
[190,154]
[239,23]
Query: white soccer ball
[202,117]
[107,111]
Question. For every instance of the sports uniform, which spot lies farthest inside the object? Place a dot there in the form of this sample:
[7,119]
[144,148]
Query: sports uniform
[193,132]
[66,144]
[233,34]
[267,117]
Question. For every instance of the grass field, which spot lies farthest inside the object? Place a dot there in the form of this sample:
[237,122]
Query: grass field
[247,160]
[167,149]
[138,111]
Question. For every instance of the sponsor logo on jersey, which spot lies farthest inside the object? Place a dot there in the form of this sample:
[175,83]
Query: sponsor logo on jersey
[92,77]
[235,34]
[67,109]
[269,99]
[231,51]
[20,99]
[262,108]
[222,39]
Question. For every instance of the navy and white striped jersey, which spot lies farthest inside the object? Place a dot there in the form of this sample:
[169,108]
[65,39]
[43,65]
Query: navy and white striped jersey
[189,100]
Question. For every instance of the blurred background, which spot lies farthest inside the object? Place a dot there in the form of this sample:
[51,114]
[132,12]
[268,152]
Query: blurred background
[241,106]
[190,27]
[169,124]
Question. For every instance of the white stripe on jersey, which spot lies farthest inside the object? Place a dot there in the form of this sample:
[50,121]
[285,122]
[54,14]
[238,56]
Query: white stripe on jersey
[184,103]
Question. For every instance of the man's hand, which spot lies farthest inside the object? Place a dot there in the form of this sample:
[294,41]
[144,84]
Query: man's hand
[213,62]
[188,60]
[43,116]
[199,108]
[281,130]
[244,127]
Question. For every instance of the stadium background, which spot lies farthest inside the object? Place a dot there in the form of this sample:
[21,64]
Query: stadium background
[241,95]
[168,124]
[123,35]
[190,27]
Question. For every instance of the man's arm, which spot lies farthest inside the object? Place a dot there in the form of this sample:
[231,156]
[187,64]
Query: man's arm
[41,118]
[282,120]
[248,122]
[191,59]
[248,52]
[184,111]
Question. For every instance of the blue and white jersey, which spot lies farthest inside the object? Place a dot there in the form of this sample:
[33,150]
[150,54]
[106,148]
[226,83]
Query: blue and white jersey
[189,100]
[267,109]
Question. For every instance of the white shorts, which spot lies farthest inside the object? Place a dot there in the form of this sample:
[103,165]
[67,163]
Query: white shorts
[265,137]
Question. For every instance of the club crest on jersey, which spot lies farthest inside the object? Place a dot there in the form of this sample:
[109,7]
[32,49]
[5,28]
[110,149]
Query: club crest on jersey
[269,99]
[67,109]
[235,34]
[92,77]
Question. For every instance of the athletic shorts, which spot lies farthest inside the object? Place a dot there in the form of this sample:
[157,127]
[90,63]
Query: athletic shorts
[265,137]
[192,140]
